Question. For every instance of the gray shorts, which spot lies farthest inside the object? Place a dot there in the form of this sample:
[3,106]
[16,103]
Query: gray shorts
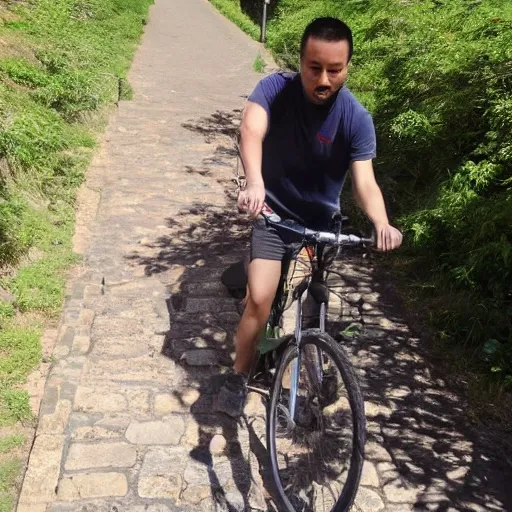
[267,243]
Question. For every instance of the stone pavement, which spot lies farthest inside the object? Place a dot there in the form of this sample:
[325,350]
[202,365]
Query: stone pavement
[126,422]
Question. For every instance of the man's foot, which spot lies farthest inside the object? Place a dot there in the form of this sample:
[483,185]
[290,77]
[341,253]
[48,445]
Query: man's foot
[232,395]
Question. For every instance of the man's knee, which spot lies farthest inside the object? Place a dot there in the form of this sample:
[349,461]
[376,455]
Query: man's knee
[263,281]
[259,304]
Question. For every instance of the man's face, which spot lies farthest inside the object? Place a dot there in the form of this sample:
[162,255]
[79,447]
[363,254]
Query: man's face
[323,68]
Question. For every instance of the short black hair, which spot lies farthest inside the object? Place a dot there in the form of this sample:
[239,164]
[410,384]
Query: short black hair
[327,29]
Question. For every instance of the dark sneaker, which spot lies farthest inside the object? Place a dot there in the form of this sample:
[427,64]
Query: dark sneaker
[232,395]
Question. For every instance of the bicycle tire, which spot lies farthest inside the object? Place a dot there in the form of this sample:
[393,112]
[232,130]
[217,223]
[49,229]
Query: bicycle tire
[328,346]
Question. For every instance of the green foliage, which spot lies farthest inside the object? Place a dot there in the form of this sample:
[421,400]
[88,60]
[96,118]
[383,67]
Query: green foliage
[14,406]
[23,73]
[437,77]
[232,10]
[10,442]
[6,502]
[259,64]
[353,330]
[80,51]
[9,471]
[444,125]
[20,353]
[39,286]
[12,241]
[32,294]
[6,309]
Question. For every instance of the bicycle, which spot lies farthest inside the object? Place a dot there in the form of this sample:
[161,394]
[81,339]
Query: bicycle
[315,426]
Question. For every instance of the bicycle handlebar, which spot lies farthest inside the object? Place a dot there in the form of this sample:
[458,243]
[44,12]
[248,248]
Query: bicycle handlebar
[317,236]
[340,239]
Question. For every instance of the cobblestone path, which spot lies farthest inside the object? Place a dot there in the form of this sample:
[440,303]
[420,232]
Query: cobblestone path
[126,422]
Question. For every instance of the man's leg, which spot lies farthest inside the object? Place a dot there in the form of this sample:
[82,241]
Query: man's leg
[267,251]
[263,279]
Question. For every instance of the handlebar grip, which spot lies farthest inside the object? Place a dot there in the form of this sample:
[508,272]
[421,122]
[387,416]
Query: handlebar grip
[355,240]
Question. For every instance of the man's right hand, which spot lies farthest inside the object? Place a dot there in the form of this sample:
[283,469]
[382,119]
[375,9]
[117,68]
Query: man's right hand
[251,199]
[388,237]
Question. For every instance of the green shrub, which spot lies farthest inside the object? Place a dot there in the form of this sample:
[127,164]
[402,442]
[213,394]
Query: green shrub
[232,10]
[80,51]
[24,73]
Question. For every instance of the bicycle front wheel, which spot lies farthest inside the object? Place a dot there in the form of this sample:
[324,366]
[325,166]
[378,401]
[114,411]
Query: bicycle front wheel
[317,455]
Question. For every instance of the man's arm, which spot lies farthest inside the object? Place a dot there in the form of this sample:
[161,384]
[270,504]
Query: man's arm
[368,196]
[252,132]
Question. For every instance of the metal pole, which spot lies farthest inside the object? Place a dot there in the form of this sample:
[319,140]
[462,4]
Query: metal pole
[264,21]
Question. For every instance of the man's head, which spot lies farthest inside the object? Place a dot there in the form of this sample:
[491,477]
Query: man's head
[325,52]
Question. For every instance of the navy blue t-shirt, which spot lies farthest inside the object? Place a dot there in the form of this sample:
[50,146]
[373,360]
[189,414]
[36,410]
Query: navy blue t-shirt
[308,148]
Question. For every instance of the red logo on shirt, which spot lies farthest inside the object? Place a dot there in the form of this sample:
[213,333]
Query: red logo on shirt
[323,139]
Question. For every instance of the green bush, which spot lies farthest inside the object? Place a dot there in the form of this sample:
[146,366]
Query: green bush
[437,77]
[75,55]
[233,10]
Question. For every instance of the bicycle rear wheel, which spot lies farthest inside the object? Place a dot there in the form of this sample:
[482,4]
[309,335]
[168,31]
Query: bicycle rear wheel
[317,457]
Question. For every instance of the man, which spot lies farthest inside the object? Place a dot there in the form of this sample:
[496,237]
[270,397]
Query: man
[300,135]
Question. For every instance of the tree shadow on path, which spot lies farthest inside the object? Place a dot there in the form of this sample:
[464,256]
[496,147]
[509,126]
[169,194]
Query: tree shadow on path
[426,453]
[202,240]
[423,454]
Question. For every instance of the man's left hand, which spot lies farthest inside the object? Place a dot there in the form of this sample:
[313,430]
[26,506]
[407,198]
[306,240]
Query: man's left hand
[388,238]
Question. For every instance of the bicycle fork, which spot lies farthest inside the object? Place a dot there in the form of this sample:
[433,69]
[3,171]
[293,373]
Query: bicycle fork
[295,370]
[313,364]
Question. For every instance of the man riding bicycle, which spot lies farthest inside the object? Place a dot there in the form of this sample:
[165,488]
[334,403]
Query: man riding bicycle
[301,133]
